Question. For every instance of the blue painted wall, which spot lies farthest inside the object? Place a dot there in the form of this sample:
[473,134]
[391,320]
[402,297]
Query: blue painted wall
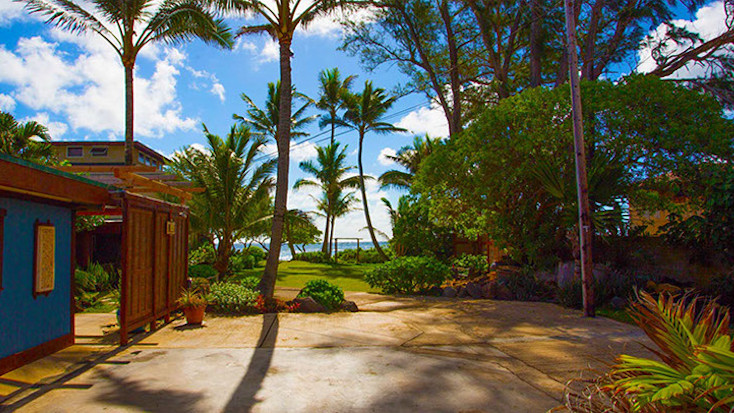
[26,322]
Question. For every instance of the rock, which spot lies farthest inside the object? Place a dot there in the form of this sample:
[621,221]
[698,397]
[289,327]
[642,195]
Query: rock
[435,291]
[449,292]
[350,306]
[504,293]
[618,303]
[473,290]
[489,290]
[309,305]
[462,293]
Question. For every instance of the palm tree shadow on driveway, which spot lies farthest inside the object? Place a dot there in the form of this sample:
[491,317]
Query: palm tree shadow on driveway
[243,399]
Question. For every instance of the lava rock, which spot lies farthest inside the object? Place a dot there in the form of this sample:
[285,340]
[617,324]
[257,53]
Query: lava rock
[435,291]
[473,290]
[504,293]
[462,293]
[350,306]
[618,303]
[449,292]
[309,305]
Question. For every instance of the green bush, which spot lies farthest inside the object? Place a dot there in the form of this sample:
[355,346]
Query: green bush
[407,275]
[202,271]
[525,286]
[96,277]
[205,254]
[616,284]
[232,298]
[369,256]
[475,264]
[240,262]
[323,292]
[258,254]
[250,282]
[316,257]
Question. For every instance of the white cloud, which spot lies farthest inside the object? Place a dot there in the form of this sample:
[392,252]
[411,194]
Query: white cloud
[7,103]
[55,129]
[431,120]
[270,51]
[383,157]
[199,147]
[88,89]
[242,44]
[709,23]
[299,152]
[218,90]
[10,10]
[330,25]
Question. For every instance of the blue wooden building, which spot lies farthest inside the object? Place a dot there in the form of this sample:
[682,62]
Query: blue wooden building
[37,212]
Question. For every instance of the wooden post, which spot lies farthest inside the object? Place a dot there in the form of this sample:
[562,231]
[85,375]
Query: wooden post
[587,266]
[336,250]
[357,250]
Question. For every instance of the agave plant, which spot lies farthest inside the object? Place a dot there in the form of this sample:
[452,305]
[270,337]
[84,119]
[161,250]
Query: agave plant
[695,370]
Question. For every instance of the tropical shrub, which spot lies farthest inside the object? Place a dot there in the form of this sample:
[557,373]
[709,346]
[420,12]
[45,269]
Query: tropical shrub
[621,284]
[232,298]
[475,264]
[323,292]
[722,289]
[416,233]
[369,256]
[205,254]
[97,277]
[240,262]
[695,370]
[316,257]
[405,275]
[250,282]
[202,271]
[525,285]
[258,254]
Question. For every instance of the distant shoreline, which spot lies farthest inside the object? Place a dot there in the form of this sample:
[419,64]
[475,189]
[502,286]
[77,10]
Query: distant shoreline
[285,252]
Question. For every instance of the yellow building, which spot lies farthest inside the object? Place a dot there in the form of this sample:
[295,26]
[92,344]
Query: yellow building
[106,153]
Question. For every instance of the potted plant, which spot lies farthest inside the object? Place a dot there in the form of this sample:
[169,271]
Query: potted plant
[193,304]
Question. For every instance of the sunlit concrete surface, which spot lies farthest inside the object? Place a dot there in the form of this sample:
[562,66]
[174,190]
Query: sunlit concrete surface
[397,354]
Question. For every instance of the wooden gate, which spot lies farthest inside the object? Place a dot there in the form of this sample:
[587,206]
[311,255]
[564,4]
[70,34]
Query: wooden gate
[154,261]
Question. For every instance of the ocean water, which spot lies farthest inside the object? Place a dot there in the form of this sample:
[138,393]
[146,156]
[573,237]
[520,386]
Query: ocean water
[285,252]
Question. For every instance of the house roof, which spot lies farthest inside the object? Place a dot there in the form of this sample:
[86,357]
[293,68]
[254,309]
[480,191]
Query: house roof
[27,178]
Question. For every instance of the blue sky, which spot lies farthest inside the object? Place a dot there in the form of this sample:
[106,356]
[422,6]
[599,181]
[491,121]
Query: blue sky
[74,85]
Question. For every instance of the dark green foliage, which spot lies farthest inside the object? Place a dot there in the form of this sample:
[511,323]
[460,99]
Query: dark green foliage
[710,232]
[240,262]
[474,264]
[415,233]
[257,253]
[316,257]
[722,289]
[202,271]
[525,286]
[324,293]
[205,254]
[232,298]
[406,275]
[369,256]
[97,277]
[485,180]
[84,223]
[615,284]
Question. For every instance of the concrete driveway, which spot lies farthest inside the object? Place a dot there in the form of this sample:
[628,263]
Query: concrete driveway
[397,354]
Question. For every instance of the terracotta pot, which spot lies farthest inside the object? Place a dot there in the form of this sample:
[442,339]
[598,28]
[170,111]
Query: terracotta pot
[194,315]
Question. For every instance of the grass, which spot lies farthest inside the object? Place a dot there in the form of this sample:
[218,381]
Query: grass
[295,274]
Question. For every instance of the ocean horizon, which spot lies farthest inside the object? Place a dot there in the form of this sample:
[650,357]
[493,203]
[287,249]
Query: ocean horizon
[285,252]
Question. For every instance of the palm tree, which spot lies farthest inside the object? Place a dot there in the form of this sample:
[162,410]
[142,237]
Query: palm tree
[328,171]
[410,158]
[332,90]
[237,192]
[132,25]
[299,229]
[265,121]
[17,139]
[364,111]
[342,204]
[281,22]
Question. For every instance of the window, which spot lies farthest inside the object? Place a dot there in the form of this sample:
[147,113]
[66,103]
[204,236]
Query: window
[98,151]
[74,152]
[141,159]
[2,231]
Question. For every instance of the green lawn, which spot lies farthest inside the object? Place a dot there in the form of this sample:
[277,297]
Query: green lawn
[350,277]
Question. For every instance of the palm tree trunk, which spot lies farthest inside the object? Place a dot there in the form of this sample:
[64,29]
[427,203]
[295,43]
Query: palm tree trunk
[331,236]
[289,238]
[267,284]
[364,201]
[325,246]
[129,114]
[333,126]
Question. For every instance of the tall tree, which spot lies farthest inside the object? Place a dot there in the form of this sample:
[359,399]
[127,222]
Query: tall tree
[299,229]
[282,18]
[237,194]
[364,113]
[28,140]
[410,158]
[331,92]
[329,176]
[130,25]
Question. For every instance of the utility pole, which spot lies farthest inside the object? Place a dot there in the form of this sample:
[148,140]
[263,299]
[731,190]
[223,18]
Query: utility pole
[582,187]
